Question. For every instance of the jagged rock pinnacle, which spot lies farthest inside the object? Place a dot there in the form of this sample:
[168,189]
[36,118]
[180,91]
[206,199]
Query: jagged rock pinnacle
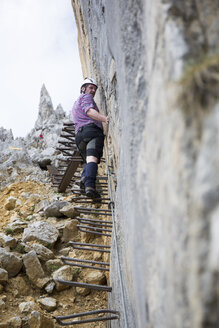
[6,135]
[45,108]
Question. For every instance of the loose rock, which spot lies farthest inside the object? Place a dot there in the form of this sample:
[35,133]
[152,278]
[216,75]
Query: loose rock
[7,241]
[64,273]
[26,307]
[69,211]
[39,320]
[50,287]
[33,268]
[43,252]
[54,209]
[53,265]
[48,303]
[10,262]
[41,205]
[95,277]
[11,203]
[70,230]
[16,226]
[83,291]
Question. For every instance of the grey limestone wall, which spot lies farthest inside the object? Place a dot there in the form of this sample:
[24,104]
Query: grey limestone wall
[157,64]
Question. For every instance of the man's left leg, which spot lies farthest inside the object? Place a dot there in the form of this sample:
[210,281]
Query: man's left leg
[94,152]
[90,177]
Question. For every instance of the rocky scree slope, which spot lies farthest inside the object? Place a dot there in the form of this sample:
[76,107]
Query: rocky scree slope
[36,224]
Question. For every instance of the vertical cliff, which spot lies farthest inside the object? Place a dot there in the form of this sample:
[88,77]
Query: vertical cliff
[157,64]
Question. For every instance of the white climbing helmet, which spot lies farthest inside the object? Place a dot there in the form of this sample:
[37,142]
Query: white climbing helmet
[88,80]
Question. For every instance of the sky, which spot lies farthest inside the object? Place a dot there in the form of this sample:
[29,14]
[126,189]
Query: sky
[39,46]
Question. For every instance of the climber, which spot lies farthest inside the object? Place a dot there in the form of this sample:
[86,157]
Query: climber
[89,135]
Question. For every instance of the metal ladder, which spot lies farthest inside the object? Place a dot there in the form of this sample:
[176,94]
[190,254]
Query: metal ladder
[62,178]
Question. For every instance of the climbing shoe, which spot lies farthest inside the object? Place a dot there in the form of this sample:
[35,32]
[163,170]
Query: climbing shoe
[81,183]
[91,193]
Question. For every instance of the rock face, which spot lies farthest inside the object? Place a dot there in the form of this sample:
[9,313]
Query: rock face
[153,61]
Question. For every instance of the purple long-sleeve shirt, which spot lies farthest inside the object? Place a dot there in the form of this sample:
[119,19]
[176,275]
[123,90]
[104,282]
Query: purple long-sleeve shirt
[79,111]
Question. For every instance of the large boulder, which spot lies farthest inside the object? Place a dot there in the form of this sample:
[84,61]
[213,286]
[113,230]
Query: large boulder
[34,269]
[41,231]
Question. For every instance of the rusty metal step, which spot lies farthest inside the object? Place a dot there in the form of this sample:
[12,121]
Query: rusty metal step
[84,285]
[90,210]
[114,315]
[69,260]
[90,247]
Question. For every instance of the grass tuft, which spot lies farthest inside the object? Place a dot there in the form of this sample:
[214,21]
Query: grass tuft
[200,84]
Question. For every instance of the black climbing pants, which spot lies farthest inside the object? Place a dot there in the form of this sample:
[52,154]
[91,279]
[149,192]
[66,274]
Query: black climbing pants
[90,141]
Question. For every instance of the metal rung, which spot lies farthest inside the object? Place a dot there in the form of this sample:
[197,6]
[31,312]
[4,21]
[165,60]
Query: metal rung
[85,247]
[92,211]
[69,130]
[90,201]
[103,185]
[69,137]
[94,232]
[84,285]
[85,200]
[98,177]
[99,190]
[67,259]
[73,148]
[95,220]
[83,261]
[68,143]
[95,212]
[115,316]
[94,225]
[85,266]
[89,208]
[85,197]
[95,228]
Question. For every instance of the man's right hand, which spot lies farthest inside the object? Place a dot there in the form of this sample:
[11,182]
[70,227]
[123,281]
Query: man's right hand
[106,120]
